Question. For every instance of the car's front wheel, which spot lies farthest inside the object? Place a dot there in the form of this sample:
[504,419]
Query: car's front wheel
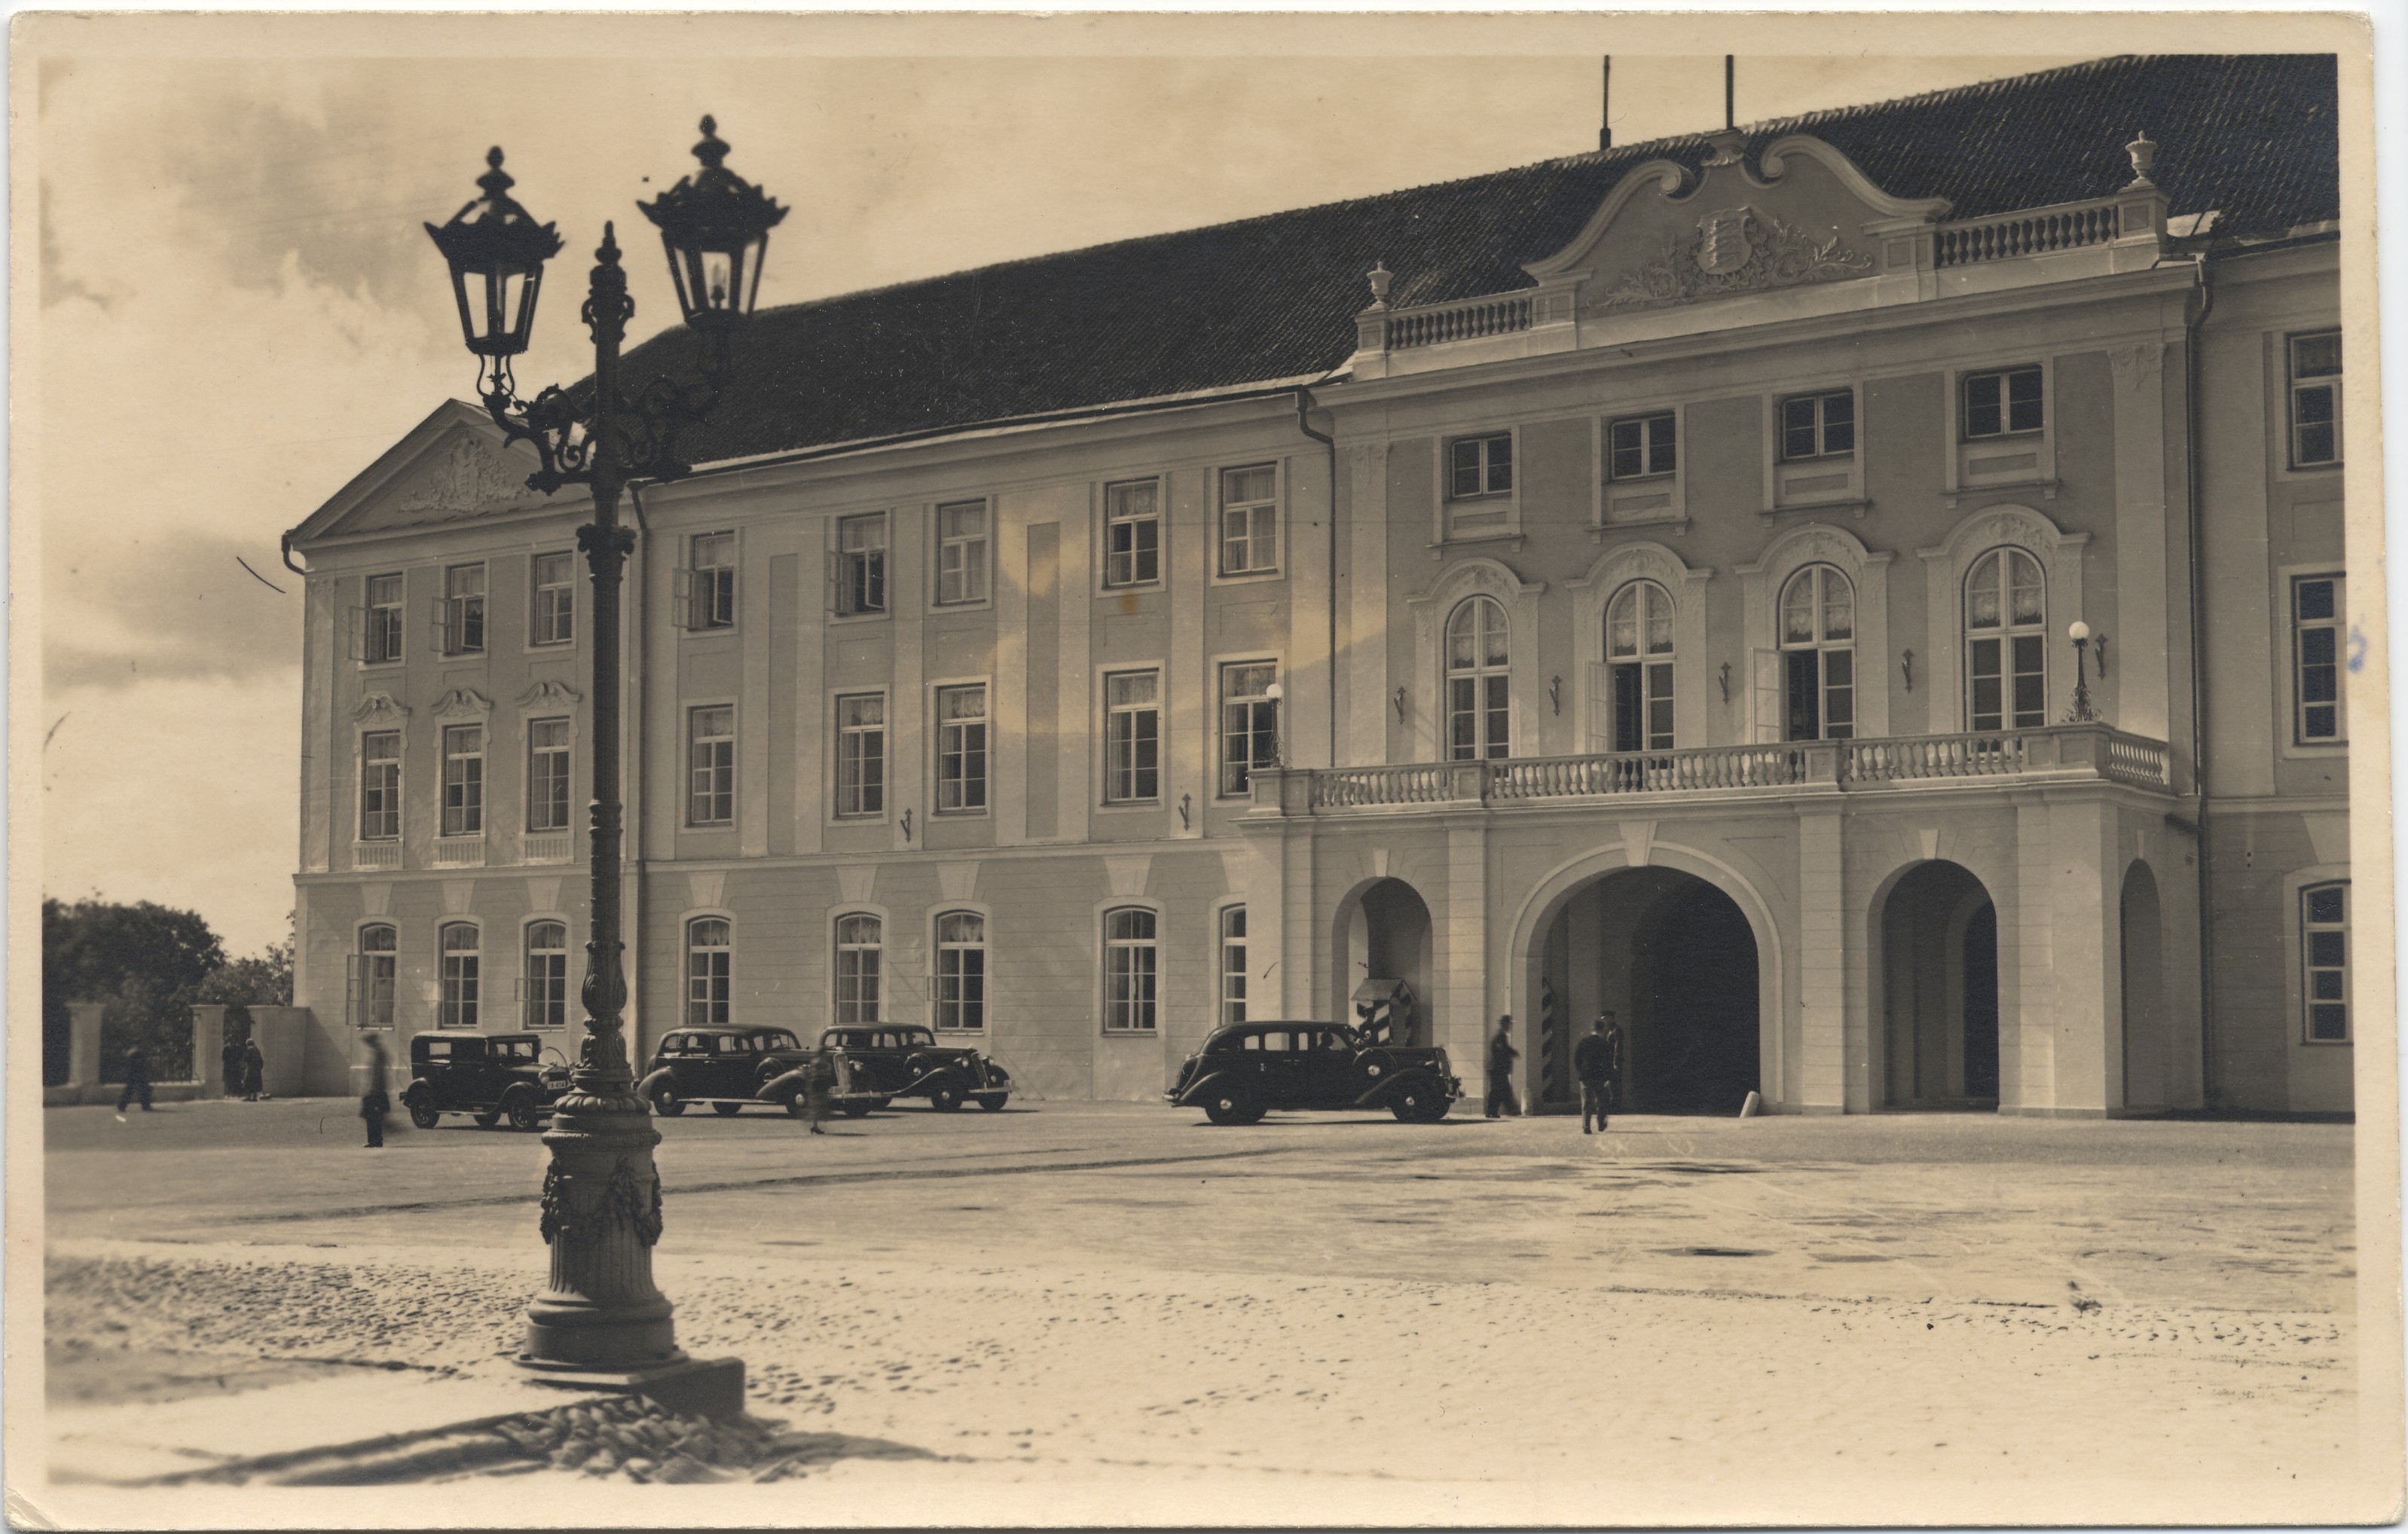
[944,1100]
[994,1104]
[523,1112]
[486,1121]
[1232,1105]
[423,1116]
[667,1103]
[728,1110]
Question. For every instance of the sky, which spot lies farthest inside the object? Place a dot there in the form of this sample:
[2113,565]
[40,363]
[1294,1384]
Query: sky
[238,309]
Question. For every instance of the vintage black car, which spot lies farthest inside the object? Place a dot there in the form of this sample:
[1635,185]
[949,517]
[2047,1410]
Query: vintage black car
[517,1076]
[908,1062]
[1245,1069]
[731,1068]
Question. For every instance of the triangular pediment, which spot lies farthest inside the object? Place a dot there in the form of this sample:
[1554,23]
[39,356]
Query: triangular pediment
[1802,214]
[450,466]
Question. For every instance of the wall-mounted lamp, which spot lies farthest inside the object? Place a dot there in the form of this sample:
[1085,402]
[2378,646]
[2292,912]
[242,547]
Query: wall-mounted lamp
[1555,694]
[1184,822]
[1724,681]
[1400,703]
[2079,632]
[1906,669]
[907,825]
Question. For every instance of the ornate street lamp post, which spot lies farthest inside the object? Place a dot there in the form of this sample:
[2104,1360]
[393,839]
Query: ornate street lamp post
[600,1318]
[2079,632]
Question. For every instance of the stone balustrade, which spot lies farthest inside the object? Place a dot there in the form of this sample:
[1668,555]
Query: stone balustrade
[2033,231]
[2052,753]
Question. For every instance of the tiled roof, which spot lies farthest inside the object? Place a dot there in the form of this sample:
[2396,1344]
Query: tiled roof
[1274,297]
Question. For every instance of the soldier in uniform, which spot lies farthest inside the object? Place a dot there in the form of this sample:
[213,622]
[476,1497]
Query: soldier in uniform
[1502,1055]
[1597,1060]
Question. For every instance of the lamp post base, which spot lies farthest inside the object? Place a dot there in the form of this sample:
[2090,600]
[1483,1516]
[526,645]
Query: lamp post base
[692,1387]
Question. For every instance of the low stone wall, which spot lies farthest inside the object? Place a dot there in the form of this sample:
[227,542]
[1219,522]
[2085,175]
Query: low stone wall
[303,1058]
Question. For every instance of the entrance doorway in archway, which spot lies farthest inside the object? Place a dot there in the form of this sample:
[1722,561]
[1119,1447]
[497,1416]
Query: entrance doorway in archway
[2148,1052]
[1939,991]
[1385,934]
[1674,960]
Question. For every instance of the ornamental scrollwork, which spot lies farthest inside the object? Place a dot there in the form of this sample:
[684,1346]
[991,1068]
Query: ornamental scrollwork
[1751,253]
[623,1201]
[554,1219]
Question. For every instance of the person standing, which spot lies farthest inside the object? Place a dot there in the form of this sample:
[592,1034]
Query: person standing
[137,1082]
[819,1078]
[255,1069]
[1597,1060]
[230,1069]
[374,1104]
[1502,1055]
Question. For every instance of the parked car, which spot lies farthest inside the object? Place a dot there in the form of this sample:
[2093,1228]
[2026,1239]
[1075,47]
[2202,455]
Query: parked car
[908,1062]
[731,1068]
[486,1076]
[1245,1069]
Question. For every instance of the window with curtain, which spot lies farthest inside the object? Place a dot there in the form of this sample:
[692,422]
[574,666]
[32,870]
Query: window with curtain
[961,970]
[2006,642]
[1639,657]
[1818,628]
[859,950]
[1478,691]
[460,946]
[708,956]
[376,966]
[1129,971]
[546,1003]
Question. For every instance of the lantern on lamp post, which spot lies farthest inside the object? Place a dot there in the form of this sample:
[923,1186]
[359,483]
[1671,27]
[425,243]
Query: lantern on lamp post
[600,1319]
[2081,712]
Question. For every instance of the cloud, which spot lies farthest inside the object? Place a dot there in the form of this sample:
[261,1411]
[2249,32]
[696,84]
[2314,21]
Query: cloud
[165,606]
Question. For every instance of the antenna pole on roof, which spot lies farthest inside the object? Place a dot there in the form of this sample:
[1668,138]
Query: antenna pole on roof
[1605,108]
[1729,80]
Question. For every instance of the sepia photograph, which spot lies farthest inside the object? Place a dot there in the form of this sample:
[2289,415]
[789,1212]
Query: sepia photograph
[1150,769]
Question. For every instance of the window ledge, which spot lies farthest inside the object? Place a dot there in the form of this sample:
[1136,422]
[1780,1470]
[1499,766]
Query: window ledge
[1249,577]
[1858,506]
[1118,806]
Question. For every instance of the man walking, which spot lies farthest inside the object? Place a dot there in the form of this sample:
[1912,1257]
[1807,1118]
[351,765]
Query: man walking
[374,1104]
[1598,1061]
[137,1082]
[1502,1055]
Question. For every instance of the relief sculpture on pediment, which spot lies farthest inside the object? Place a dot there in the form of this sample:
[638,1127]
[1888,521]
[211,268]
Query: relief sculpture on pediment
[1734,251]
[468,478]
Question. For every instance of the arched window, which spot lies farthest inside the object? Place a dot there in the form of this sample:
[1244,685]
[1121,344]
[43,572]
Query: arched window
[459,986]
[707,961]
[1128,971]
[1639,661]
[858,945]
[1479,722]
[373,977]
[2324,953]
[2006,642]
[961,969]
[546,987]
[1818,643]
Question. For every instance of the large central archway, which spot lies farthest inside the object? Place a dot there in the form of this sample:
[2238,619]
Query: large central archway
[1674,960]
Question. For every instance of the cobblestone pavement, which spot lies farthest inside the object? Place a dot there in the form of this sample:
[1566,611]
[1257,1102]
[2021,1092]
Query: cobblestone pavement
[1085,1291]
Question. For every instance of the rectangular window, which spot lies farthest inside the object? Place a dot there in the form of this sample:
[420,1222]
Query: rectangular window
[1133,532]
[710,762]
[2316,645]
[1249,520]
[961,749]
[2002,403]
[380,786]
[861,564]
[1480,465]
[1128,972]
[2315,400]
[1996,687]
[1233,964]
[961,553]
[1132,737]
[2324,942]
[464,610]
[859,948]
[1822,694]
[711,591]
[378,964]
[460,980]
[546,1002]
[463,781]
[1640,447]
[380,636]
[1249,723]
[1818,426]
[961,970]
[861,754]
[548,775]
[555,604]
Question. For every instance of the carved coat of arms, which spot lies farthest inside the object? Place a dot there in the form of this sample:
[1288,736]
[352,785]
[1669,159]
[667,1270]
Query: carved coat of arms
[1722,241]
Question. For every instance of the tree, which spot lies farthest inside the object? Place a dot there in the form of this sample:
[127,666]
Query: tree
[143,960]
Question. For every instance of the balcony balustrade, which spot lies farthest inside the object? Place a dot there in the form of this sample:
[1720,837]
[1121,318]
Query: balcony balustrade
[2055,754]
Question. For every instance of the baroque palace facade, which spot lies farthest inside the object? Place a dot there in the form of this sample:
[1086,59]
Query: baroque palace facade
[1651,591]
